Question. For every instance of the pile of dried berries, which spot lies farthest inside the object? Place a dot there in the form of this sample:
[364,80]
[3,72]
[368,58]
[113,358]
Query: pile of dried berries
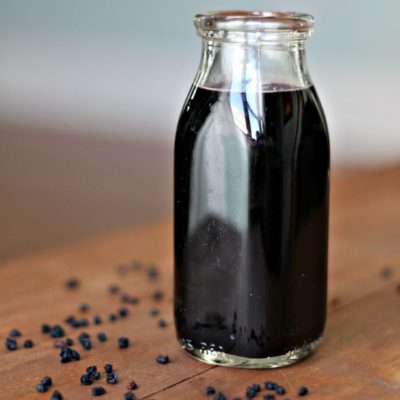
[90,375]
[44,384]
[11,343]
[68,354]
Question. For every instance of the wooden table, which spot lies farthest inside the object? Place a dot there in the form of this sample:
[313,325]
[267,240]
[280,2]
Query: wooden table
[358,359]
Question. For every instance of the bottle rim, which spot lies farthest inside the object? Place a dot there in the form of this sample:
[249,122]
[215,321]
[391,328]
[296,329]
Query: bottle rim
[223,25]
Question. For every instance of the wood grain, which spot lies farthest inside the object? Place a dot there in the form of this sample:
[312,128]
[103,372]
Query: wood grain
[58,186]
[358,358]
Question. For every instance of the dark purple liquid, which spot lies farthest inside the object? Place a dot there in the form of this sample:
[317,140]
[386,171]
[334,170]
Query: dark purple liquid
[251,221]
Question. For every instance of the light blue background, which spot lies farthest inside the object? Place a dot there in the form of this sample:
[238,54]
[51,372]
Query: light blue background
[124,67]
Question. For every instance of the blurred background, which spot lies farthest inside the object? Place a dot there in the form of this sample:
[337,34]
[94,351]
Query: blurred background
[90,92]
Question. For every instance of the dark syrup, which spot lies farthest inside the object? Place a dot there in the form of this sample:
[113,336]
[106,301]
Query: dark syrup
[251,221]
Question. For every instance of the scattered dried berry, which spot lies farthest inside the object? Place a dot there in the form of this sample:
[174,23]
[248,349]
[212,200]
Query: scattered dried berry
[46,328]
[102,337]
[79,323]
[75,324]
[14,333]
[256,387]
[72,283]
[56,395]
[113,317]
[162,359]
[125,298]
[96,375]
[209,391]
[129,396]
[123,342]
[219,396]
[153,311]
[158,295]
[152,272]
[97,320]
[75,355]
[83,335]
[98,391]
[269,397]
[65,355]
[71,321]
[303,391]
[57,331]
[47,381]
[41,388]
[108,368]
[86,379]
[162,323]
[250,393]
[112,379]
[28,344]
[84,307]
[123,312]
[134,300]
[280,390]
[69,342]
[114,289]
[132,385]
[11,344]
[86,344]
[91,369]
[68,320]
[387,272]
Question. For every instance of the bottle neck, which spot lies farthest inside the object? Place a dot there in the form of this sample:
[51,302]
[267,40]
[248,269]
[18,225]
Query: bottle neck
[253,67]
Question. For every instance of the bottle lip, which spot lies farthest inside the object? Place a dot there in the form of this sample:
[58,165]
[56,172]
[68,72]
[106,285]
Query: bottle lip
[220,25]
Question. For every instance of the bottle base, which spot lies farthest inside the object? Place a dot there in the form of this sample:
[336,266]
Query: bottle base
[214,357]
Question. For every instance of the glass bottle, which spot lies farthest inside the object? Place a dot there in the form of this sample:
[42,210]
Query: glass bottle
[251,195]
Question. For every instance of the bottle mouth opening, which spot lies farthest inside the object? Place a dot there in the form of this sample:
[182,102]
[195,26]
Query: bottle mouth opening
[220,25]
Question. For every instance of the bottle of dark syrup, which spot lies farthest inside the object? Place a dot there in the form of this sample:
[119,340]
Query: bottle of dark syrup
[251,195]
